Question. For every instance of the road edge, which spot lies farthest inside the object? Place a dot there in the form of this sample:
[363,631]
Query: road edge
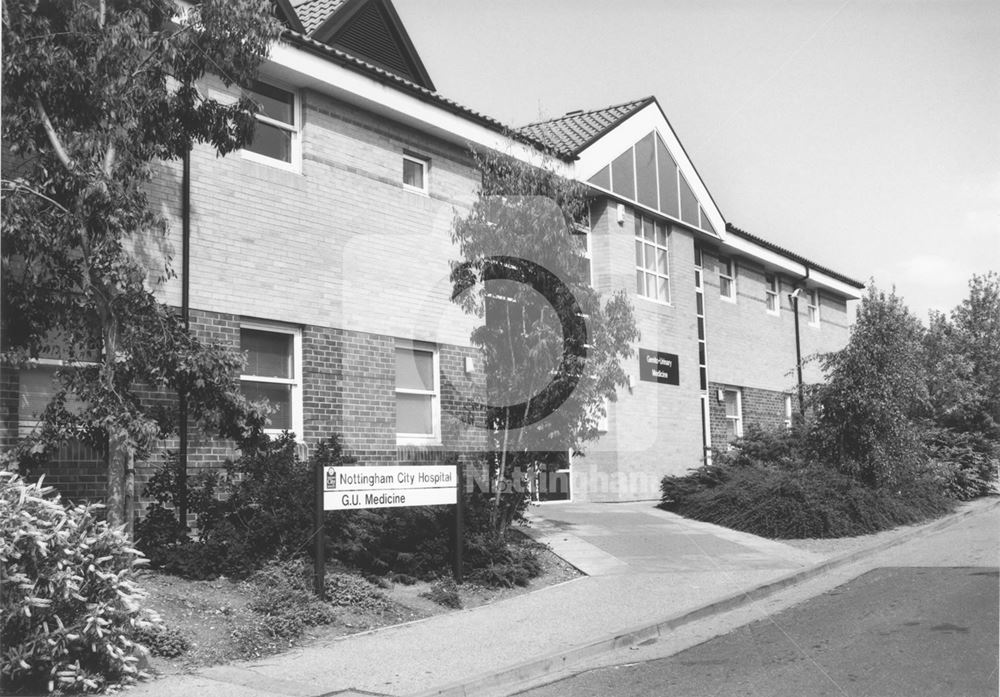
[560,660]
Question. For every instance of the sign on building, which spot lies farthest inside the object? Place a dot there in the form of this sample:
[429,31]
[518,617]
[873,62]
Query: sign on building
[655,366]
[348,488]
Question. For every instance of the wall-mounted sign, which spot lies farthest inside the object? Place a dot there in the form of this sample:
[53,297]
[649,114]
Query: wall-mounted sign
[345,488]
[655,366]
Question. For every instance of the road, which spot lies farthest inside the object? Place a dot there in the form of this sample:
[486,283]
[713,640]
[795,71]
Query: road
[919,619]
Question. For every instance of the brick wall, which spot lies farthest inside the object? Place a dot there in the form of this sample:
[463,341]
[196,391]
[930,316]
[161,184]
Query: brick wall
[749,346]
[763,408]
[653,429]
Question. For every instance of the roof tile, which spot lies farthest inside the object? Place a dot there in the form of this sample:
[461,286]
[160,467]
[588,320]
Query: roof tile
[312,13]
[572,133]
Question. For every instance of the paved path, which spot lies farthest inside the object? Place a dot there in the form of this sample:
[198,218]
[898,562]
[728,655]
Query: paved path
[648,570]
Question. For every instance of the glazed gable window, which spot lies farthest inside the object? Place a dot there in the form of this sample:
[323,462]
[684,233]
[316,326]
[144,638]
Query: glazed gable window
[276,135]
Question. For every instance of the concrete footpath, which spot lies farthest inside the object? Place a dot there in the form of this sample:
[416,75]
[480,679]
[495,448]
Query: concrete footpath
[648,572]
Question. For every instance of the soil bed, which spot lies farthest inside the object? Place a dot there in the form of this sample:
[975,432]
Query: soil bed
[207,613]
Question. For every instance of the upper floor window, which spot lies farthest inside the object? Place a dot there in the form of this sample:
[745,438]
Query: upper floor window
[581,234]
[813,298]
[652,272]
[276,134]
[274,372]
[771,291]
[418,394]
[727,279]
[415,173]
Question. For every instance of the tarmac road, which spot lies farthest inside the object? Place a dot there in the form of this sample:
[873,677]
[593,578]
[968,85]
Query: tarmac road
[923,622]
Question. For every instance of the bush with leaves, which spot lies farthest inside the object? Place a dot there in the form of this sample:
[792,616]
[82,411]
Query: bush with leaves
[809,501]
[966,463]
[267,514]
[71,608]
[868,423]
[282,606]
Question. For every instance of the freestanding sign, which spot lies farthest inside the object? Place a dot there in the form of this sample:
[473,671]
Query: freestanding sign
[656,366]
[348,488]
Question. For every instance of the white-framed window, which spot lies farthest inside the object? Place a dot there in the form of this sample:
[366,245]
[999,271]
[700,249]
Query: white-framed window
[276,138]
[733,400]
[812,297]
[788,411]
[37,385]
[582,234]
[772,290]
[652,267]
[416,170]
[418,393]
[727,279]
[274,372]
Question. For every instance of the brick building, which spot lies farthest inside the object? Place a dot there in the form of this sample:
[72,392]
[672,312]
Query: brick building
[323,251]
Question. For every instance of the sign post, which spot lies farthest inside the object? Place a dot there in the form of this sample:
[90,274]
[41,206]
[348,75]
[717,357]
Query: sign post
[320,575]
[458,534]
[345,488]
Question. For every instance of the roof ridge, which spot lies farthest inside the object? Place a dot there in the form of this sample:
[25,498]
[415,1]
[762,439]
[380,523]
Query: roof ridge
[581,112]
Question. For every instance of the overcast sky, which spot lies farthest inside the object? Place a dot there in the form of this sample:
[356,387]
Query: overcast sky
[864,135]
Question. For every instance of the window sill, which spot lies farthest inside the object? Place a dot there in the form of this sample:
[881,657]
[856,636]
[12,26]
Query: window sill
[415,442]
[661,303]
[415,190]
[294,167]
[727,299]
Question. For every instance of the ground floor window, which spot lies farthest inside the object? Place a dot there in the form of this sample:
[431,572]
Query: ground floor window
[733,400]
[418,394]
[274,372]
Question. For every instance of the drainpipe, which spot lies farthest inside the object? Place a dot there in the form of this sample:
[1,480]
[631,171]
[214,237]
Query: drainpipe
[182,455]
[794,297]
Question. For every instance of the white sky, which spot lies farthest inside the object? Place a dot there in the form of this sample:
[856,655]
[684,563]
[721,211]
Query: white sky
[864,135]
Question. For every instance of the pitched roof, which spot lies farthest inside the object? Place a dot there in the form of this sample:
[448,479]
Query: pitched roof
[572,133]
[388,77]
[312,13]
[792,255]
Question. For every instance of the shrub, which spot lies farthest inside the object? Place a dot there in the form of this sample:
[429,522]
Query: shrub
[445,593]
[811,501]
[346,590]
[966,464]
[876,390]
[501,562]
[283,605]
[162,641]
[267,514]
[70,605]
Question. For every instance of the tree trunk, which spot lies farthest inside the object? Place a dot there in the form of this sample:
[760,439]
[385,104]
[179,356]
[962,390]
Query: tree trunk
[117,458]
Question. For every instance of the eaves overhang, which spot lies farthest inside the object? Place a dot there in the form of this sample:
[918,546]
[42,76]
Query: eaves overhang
[299,60]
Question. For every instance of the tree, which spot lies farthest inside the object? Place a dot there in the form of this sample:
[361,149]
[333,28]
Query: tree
[95,95]
[974,334]
[875,394]
[551,348]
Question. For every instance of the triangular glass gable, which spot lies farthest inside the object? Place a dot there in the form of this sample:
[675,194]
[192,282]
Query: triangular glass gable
[648,174]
